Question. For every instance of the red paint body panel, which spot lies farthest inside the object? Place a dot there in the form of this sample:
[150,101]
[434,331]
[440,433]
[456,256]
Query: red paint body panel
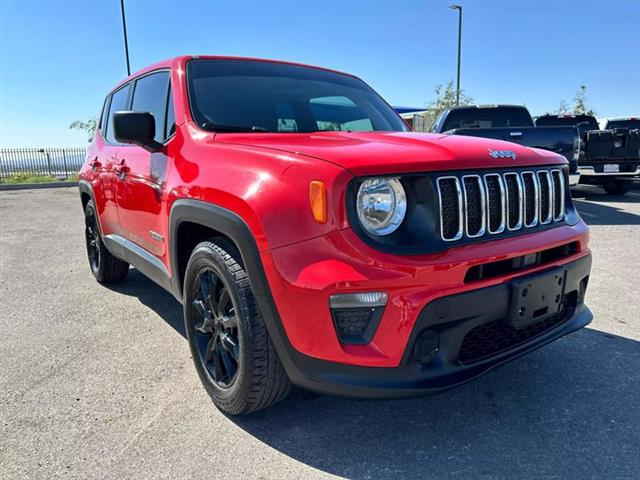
[264,179]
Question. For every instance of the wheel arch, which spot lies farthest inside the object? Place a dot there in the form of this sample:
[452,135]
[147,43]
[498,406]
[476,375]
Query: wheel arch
[192,221]
[86,193]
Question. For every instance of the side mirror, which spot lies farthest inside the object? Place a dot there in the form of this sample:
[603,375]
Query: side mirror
[138,128]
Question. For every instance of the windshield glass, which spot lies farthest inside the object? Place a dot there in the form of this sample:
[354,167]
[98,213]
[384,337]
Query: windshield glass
[483,117]
[256,96]
[583,122]
[631,123]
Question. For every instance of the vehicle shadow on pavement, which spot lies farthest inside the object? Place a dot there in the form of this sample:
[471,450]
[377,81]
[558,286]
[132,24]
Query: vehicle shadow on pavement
[596,207]
[601,214]
[569,410]
[153,296]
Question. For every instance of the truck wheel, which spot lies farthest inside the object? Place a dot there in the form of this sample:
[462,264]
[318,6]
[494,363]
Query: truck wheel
[230,346]
[617,187]
[104,266]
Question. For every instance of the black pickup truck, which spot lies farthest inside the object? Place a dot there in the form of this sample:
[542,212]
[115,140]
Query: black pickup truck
[512,123]
[609,158]
[628,123]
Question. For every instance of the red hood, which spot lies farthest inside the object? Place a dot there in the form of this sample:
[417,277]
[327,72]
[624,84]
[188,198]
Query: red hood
[370,153]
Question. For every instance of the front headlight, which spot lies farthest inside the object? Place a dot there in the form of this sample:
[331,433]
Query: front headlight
[381,205]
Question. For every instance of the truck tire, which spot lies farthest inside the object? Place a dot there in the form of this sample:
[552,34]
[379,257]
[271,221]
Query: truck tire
[230,345]
[617,187]
[104,266]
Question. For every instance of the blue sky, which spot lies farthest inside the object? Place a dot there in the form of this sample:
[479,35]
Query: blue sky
[58,58]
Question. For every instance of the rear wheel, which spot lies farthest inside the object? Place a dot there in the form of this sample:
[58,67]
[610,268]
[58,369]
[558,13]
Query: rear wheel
[617,187]
[230,346]
[104,266]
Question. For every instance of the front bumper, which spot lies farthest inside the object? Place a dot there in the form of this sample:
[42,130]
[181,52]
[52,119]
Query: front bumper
[456,318]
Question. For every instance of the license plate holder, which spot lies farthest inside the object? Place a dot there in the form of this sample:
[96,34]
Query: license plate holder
[536,298]
[611,168]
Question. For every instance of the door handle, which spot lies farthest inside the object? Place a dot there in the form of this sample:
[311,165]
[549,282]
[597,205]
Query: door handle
[122,169]
[95,164]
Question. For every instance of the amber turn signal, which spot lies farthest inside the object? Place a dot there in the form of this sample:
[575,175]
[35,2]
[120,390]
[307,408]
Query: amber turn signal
[318,200]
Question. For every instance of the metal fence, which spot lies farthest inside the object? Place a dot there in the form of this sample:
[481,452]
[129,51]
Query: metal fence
[54,162]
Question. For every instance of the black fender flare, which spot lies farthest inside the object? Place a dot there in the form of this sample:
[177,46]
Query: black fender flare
[234,227]
[85,187]
[223,221]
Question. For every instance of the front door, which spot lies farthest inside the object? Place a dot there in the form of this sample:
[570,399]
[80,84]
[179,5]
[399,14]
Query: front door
[140,175]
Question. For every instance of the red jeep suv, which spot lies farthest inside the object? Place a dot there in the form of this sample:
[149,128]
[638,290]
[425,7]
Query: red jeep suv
[313,240]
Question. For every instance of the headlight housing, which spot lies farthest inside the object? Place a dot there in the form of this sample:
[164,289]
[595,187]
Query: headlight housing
[381,205]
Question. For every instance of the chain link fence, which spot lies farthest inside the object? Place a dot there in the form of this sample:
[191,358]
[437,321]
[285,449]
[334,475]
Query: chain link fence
[60,163]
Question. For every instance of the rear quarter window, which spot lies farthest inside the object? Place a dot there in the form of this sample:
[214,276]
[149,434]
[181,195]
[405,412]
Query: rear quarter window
[119,101]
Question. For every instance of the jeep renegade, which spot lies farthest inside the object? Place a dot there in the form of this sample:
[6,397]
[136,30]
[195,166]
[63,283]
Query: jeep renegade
[314,241]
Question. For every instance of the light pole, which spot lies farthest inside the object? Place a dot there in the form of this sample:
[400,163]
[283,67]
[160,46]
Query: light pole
[124,31]
[459,8]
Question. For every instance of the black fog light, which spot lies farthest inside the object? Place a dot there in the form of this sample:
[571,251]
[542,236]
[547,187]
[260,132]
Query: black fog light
[427,346]
[357,315]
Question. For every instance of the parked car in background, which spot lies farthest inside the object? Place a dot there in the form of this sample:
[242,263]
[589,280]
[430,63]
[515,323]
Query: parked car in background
[512,123]
[609,158]
[313,240]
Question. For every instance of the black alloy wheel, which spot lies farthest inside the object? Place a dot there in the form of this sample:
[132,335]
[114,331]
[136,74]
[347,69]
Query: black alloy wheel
[216,329]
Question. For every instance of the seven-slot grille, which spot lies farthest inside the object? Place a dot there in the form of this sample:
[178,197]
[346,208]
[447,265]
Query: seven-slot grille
[492,203]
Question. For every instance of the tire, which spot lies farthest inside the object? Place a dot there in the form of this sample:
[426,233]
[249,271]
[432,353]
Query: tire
[104,266]
[230,346]
[617,187]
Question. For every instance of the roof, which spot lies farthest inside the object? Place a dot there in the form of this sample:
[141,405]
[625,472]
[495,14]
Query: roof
[170,62]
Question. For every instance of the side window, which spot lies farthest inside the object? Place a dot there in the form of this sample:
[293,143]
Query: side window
[150,95]
[103,116]
[118,102]
[170,127]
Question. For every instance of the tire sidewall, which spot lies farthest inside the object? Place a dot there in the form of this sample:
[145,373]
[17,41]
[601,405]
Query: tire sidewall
[203,257]
[90,210]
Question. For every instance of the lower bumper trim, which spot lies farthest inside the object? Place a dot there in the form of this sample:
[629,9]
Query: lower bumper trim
[464,312]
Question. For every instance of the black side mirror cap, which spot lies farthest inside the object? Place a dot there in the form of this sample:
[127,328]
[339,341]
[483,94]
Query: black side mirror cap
[138,128]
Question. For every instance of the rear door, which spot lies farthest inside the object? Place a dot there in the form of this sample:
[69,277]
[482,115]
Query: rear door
[141,174]
[105,163]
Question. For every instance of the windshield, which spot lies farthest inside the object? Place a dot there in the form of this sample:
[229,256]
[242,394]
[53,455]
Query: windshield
[631,124]
[256,96]
[491,117]
[584,123]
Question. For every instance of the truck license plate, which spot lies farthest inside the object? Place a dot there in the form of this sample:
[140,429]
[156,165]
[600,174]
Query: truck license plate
[611,168]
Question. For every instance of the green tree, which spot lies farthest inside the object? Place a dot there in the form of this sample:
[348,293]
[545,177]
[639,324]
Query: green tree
[580,103]
[445,97]
[562,108]
[88,126]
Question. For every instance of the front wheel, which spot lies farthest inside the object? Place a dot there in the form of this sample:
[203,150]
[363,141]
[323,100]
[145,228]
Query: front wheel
[617,187]
[230,346]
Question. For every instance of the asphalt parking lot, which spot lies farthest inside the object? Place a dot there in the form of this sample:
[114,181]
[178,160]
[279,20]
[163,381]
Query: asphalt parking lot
[98,382]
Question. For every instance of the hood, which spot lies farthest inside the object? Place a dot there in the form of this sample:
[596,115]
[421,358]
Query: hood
[374,153]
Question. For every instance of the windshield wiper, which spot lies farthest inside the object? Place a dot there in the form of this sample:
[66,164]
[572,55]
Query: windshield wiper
[215,127]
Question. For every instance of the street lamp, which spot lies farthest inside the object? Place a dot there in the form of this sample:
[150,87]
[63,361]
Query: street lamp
[459,8]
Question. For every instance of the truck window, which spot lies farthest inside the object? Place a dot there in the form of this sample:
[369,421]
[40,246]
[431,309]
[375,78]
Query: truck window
[246,95]
[631,123]
[492,117]
[119,101]
[150,95]
[583,122]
